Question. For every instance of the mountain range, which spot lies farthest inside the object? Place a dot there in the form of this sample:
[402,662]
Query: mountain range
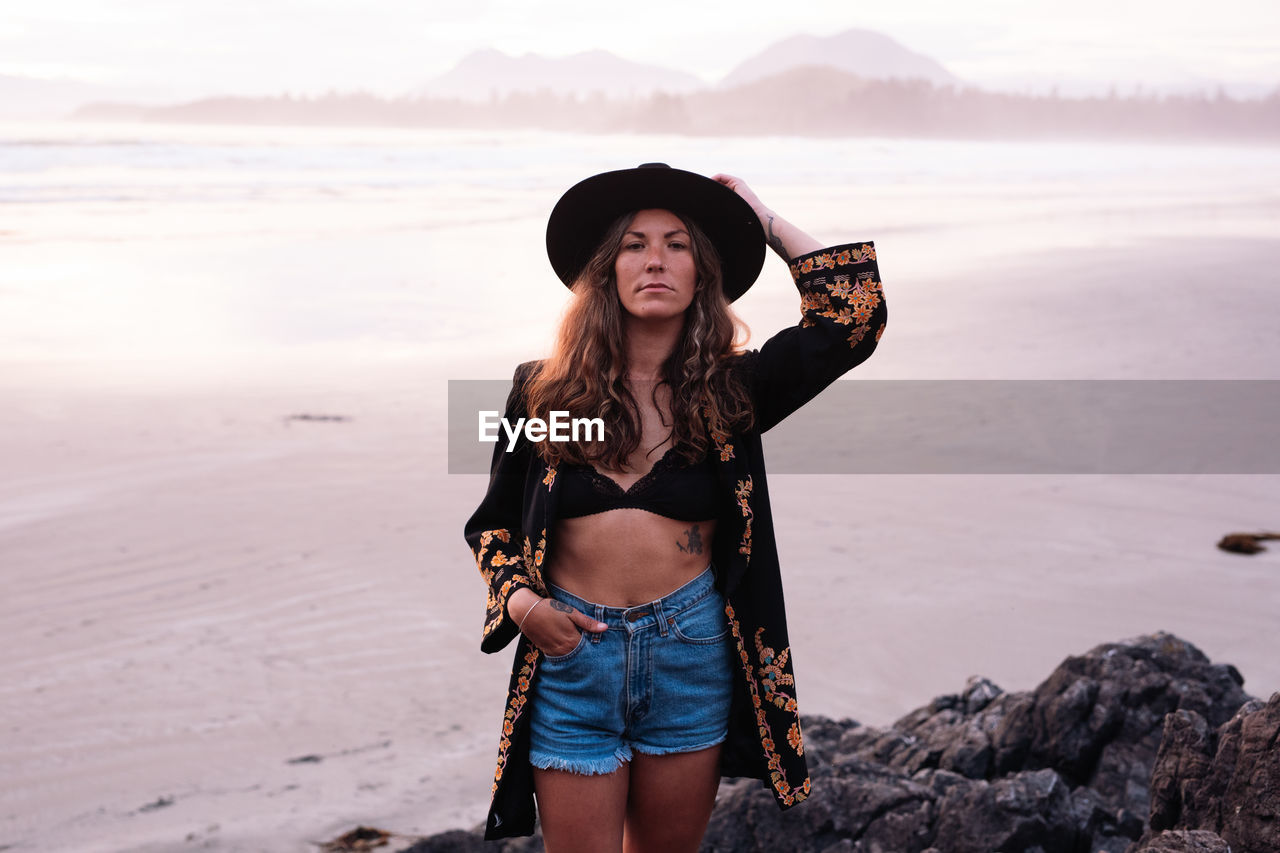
[871,55]
[487,74]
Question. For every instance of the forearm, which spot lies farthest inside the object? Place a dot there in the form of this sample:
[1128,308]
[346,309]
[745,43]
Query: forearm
[784,238]
[520,603]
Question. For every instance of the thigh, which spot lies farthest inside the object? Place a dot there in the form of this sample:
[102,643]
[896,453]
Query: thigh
[670,800]
[581,814]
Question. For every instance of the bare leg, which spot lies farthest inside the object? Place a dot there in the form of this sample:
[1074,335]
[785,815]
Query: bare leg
[670,800]
[581,814]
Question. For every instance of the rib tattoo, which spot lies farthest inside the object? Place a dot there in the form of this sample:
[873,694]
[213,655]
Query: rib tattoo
[694,538]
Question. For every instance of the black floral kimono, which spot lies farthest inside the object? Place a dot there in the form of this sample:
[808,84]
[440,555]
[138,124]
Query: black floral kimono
[842,317]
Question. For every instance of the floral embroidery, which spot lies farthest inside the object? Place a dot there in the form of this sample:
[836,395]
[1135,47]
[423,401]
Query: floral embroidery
[772,673]
[533,561]
[840,289]
[814,302]
[743,495]
[515,707]
[501,567]
[858,333]
[485,538]
[550,479]
[879,332]
[777,776]
[719,437]
[793,738]
[858,254]
[846,299]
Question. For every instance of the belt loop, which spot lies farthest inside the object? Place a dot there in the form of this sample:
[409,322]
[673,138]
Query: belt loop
[660,617]
[596,635]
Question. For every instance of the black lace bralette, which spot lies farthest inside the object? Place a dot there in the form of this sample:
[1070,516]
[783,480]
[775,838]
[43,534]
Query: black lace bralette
[670,489]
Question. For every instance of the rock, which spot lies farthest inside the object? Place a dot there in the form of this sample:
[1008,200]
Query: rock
[1016,813]
[1245,543]
[359,840]
[1183,841]
[1096,720]
[1186,751]
[1225,780]
[1065,767]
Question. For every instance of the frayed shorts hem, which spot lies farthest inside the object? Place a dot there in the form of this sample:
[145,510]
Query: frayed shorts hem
[622,755]
[582,766]
[676,750]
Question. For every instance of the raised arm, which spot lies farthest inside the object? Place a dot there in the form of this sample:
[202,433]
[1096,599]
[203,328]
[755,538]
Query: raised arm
[842,315]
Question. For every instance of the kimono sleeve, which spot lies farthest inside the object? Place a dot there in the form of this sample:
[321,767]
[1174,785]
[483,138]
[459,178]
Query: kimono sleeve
[842,316]
[494,531]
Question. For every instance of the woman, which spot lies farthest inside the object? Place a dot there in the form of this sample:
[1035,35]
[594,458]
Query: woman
[640,570]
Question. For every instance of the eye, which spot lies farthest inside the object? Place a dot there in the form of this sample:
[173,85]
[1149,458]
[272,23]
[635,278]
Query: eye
[634,244]
[676,244]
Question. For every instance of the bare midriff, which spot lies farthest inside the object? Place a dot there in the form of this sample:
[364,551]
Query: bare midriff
[626,557]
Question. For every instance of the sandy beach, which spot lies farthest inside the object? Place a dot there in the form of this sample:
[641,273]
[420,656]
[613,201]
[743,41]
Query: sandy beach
[226,628]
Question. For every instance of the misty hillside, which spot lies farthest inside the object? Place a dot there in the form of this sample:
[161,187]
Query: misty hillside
[862,52]
[480,75]
[799,102]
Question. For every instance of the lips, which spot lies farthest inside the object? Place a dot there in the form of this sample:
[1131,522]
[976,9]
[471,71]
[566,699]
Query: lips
[654,286]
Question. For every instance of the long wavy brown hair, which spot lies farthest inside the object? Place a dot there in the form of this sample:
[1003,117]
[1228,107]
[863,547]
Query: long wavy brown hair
[585,373]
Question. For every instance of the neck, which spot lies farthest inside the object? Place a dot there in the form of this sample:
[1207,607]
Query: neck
[649,343]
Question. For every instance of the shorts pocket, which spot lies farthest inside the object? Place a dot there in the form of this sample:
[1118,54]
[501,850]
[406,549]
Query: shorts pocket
[582,642]
[703,623]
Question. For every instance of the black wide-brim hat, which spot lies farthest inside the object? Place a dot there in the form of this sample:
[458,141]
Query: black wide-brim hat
[583,214]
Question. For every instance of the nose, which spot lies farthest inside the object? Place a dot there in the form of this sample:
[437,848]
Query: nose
[654,261]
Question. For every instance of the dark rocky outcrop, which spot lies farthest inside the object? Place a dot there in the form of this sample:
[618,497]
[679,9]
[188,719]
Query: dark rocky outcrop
[1223,780]
[1063,768]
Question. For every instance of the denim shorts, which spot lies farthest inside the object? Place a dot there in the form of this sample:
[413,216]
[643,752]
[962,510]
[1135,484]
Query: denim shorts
[659,681]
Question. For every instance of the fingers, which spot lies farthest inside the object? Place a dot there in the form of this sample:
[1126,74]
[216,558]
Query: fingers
[740,187]
[576,616]
[586,623]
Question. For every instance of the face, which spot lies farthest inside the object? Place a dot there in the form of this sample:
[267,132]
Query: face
[655,268]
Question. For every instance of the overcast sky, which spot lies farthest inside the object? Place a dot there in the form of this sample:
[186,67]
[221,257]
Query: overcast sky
[192,47]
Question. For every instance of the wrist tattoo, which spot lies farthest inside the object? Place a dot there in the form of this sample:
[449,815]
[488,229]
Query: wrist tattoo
[775,241]
[557,604]
[693,539]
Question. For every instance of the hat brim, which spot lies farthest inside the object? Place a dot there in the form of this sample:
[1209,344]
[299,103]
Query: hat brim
[582,215]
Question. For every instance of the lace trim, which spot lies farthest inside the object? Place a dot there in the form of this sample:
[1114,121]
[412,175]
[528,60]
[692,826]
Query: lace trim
[607,485]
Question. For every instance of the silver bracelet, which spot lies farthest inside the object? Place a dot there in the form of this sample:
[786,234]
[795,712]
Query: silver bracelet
[525,617]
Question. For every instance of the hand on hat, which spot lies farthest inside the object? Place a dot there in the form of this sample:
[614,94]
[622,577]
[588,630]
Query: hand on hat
[783,237]
[740,187]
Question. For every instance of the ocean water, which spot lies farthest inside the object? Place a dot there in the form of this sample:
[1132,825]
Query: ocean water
[136,249]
